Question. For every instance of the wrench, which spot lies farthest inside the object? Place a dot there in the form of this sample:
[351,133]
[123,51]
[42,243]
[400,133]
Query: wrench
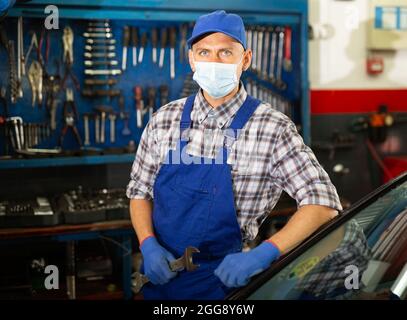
[249,37]
[102,48]
[184,262]
[279,82]
[91,55]
[106,35]
[260,31]
[266,50]
[100,41]
[103,72]
[254,59]
[273,52]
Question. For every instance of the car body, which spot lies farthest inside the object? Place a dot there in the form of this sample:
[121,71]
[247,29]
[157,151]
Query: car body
[361,254]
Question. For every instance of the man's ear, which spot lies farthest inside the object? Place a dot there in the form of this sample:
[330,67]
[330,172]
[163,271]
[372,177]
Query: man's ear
[247,60]
[191,60]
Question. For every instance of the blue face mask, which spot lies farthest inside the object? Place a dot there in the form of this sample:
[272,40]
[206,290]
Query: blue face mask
[217,79]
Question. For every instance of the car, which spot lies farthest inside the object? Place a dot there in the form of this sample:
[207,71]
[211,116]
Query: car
[359,255]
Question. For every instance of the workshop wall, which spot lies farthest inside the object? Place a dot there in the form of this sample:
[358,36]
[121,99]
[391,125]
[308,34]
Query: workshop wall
[342,92]
[339,62]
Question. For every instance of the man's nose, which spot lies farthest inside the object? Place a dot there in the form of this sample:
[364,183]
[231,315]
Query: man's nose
[215,58]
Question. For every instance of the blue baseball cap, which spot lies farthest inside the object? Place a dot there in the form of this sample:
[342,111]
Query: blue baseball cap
[219,21]
[6,4]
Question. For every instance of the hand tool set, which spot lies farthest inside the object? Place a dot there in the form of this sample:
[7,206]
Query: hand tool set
[75,89]
[72,207]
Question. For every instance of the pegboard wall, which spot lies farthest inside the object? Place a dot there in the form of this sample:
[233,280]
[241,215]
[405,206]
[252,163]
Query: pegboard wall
[146,74]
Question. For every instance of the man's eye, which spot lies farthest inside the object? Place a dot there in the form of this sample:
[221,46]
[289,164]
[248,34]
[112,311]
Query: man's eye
[226,53]
[203,53]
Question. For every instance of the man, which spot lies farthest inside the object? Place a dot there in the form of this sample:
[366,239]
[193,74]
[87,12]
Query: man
[210,167]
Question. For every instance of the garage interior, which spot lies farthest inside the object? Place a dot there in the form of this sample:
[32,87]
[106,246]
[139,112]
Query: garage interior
[70,127]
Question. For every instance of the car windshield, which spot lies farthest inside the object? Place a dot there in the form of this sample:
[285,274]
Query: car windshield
[363,258]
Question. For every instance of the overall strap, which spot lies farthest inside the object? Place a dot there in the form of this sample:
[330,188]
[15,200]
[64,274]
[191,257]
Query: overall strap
[243,115]
[185,122]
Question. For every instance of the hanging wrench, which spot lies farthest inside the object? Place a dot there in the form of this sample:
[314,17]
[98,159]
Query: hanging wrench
[20,56]
[185,262]
[266,52]
[279,81]
[273,53]
[254,59]
[260,36]
[249,37]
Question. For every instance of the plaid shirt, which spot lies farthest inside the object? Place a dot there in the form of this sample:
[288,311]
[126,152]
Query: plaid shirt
[269,156]
[327,279]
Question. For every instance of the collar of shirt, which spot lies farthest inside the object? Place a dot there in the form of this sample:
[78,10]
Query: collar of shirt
[222,113]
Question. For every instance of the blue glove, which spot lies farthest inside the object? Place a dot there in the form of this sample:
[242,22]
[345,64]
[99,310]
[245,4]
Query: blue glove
[156,260]
[236,269]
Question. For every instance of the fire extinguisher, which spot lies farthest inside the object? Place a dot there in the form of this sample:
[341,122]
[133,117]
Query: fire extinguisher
[374,64]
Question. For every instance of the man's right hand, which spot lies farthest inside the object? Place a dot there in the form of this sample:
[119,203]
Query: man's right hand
[156,261]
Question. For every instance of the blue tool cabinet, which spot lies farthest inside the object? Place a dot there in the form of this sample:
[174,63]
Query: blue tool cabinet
[112,157]
[145,15]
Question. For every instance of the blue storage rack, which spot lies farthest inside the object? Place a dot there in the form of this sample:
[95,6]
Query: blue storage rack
[147,14]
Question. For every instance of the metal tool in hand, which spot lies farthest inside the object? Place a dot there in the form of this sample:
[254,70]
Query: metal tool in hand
[185,262]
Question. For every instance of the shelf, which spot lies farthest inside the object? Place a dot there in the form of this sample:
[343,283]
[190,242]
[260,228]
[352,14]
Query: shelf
[164,10]
[65,161]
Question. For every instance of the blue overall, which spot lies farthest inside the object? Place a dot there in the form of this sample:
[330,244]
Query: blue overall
[194,206]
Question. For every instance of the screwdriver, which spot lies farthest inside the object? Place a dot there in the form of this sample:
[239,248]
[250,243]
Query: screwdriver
[173,40]
[134,43]
[138,97]
[163,44]
[126,39]
[151,101]
[154,43]
[143,45]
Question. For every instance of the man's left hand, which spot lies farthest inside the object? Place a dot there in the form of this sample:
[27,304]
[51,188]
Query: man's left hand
[236,269]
